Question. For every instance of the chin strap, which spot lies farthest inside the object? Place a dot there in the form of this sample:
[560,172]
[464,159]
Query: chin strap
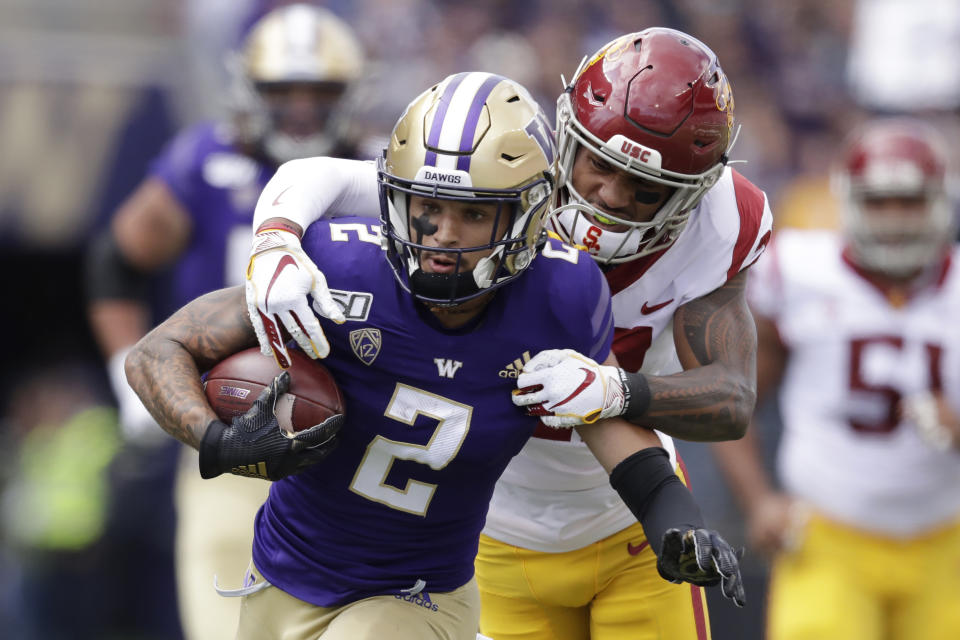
[443,286]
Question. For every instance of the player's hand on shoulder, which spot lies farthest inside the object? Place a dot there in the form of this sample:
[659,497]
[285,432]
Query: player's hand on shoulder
[702,557]
[566,389]
[255,445]
[280,276]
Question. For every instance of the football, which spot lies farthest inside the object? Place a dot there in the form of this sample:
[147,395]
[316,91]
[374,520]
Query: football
[233,384]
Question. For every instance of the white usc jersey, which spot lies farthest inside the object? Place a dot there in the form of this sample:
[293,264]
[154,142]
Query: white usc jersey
[852,357]
[554,496]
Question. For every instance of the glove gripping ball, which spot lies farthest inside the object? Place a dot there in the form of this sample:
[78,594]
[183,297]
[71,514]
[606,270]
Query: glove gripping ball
[235,382]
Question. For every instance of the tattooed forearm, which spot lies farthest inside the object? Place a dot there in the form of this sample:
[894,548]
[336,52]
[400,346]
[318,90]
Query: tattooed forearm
[714,397]
[698,405]
[164,367]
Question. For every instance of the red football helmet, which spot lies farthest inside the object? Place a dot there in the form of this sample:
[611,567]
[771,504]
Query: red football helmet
[896,214]
[657,105]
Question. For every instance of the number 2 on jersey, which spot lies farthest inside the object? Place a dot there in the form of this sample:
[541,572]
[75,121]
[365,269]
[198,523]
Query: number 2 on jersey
[405,405]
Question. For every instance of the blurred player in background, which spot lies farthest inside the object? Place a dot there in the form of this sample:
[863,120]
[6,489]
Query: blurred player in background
[645,128]
[858,331]
[378,540]
[189,222]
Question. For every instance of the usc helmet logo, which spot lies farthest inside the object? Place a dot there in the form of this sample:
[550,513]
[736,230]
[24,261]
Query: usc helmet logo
[617,48]
[724,97]
[611,52]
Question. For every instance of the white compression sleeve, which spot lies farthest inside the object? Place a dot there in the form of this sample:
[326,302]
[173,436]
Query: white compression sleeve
[309,189]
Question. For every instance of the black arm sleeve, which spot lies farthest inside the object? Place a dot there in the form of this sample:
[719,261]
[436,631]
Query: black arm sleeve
[655,495]
[108,274]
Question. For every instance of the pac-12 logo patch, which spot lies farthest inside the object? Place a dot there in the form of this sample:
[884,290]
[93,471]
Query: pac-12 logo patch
[366,344]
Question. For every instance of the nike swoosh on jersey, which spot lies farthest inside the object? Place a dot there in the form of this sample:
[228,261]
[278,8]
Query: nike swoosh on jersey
[276,200]
[285,261]
[648,309]
[587,381]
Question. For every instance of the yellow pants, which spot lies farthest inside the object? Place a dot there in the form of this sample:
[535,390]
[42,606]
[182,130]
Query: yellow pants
[846,584]
[606,591]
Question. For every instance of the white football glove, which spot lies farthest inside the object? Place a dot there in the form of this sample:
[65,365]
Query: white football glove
[279,278]
[566,389]
[136,423]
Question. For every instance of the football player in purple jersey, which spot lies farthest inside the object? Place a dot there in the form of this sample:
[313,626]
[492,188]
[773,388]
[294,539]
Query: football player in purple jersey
[644,131]
[185,231]
[373,521]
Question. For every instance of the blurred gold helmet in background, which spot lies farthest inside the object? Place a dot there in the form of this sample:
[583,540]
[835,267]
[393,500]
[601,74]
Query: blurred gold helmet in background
[290,76]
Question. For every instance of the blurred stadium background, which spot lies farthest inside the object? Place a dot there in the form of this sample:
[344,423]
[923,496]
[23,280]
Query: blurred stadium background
[91,89]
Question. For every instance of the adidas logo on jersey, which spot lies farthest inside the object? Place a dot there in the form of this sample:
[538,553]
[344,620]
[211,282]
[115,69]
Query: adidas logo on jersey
[513,369]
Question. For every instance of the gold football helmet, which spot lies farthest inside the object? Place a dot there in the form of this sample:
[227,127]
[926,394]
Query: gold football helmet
[473,138]
[295,66]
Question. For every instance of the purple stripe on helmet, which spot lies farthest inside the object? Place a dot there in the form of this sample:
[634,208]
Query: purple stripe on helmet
[433,140]
[473,117]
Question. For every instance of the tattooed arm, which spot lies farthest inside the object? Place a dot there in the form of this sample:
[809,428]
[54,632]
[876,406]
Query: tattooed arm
[164,367]
[713,398]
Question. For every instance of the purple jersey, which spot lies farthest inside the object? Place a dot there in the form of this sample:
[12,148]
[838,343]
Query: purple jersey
[218,187]
[430,424]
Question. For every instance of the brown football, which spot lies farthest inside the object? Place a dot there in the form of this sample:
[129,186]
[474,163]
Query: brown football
[233,384]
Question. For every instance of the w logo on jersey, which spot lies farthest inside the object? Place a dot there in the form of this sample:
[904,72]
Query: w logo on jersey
[447,368]
[366,344]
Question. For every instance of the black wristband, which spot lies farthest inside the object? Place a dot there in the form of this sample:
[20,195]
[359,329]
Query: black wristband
[210,450]
[637,392]
[649,487]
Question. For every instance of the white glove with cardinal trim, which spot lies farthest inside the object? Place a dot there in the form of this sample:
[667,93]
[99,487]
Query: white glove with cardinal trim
[566,389]
[279,278]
